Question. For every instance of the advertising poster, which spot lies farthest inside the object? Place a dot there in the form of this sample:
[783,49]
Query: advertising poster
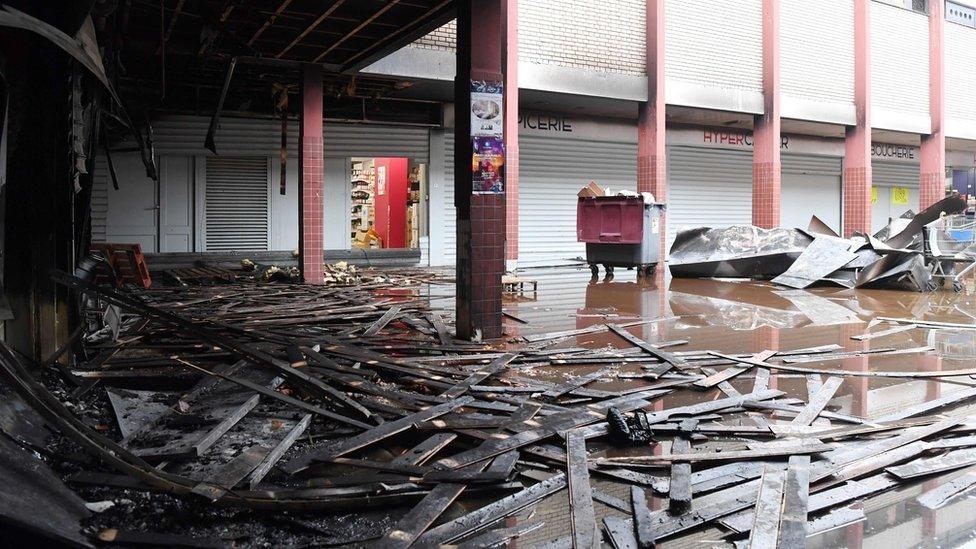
[488,165]
[487,143]
[487,118]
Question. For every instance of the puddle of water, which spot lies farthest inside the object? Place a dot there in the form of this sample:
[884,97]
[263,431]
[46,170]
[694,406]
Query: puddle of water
[749,317]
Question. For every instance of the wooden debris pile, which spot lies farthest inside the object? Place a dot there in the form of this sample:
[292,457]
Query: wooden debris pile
[348,397]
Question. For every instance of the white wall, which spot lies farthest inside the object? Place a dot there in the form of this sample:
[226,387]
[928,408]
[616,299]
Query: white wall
[960,67]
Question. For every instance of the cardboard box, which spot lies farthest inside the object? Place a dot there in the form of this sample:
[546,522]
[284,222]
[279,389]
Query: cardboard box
[591,190]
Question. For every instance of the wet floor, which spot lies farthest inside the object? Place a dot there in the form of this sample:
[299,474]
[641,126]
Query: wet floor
[749,317]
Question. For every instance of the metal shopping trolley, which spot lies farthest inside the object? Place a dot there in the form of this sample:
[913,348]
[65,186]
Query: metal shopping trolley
[950,249]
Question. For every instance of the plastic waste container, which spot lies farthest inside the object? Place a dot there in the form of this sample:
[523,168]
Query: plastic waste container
[620,231]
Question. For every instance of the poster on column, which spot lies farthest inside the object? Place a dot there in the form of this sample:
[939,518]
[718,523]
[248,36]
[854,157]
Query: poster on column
[487,141]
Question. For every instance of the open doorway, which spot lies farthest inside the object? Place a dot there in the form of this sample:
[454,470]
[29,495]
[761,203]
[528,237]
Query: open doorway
[388,202]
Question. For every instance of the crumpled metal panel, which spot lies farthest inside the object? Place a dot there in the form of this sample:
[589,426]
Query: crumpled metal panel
[736,252]
[823,256]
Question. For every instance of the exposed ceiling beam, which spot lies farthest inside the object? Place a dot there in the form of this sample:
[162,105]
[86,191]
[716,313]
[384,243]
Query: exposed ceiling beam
[271,20]
[430,20]
[358,28]
[316,23]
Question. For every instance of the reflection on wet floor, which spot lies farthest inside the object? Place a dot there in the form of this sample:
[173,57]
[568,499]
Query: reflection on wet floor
[735,316]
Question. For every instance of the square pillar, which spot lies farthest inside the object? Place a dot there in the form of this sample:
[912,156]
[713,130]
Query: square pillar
[479,192]
[857,141]
[766,167]
[933,163]
[311,236]
[652,161]
[510,60]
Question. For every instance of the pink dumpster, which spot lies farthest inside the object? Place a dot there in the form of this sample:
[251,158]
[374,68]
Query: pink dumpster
[619,231]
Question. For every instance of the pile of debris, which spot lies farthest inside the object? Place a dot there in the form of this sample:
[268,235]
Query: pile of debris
[900,256]
[297,403]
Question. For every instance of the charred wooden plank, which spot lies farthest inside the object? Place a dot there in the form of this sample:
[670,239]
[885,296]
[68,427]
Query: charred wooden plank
[796,493]
[278,451]
[381,323]
[642,526]
[495,367]
[373,435]
[818,402]
[486,516]
[769,505]
[582,514]
[679,491]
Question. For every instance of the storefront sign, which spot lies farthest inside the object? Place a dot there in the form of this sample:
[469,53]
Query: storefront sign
[487,117]
[899,196]
[487,165]
[546,122]
[381,180]
[893,152]
[737,138]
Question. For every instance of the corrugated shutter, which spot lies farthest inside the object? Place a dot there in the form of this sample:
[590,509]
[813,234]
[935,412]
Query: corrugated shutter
[807,30]
[884,176]
[891,174]
[236,210]
[450,212]
[708,188]
[809,164]
[899,59]
[716,43]
[810,186]
[245,136]
[960,60]
[551,172]
[99,200]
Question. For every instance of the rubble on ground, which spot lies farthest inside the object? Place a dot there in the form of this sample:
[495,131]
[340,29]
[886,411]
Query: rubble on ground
[348,414]
[897,257]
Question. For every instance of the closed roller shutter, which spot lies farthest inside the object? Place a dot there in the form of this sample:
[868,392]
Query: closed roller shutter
[236,209]
[708,188]
[811,185]
[885,176]
[181,134]
[551,172]
[450,212]
[99,199]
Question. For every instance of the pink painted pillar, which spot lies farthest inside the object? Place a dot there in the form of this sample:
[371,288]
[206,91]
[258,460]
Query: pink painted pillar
[652,162]
[510,69]
[857,142]
[933,163]
[310,204]
[765,152]
[480,217]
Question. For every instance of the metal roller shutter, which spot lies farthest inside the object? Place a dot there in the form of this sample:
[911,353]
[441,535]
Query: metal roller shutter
[884,176]
[551,172]
[244,136]
[99,199]
[450,212]
[236,208]
[708,188]
[811,185]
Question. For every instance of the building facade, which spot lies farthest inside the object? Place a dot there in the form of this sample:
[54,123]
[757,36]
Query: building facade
[773,111]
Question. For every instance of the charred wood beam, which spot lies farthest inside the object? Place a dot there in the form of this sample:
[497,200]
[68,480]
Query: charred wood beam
[310,28]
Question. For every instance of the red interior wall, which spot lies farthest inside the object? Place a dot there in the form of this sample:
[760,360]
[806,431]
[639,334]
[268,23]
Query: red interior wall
[391,206]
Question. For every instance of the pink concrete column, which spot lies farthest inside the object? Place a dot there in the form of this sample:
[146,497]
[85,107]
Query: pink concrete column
[652,162]
[510,69]
[857,142]
[480,217]
[933,163]
[765,152]
[310,204]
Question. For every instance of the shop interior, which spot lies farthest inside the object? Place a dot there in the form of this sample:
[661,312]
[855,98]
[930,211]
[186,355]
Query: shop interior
[388,202]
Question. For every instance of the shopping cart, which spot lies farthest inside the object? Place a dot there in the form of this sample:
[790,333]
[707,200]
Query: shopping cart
[950,243]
